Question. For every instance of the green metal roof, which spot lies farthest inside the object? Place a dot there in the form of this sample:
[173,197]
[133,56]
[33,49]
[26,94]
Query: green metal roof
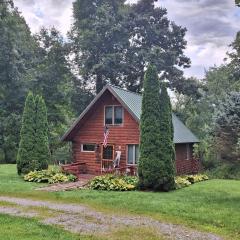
[134,103]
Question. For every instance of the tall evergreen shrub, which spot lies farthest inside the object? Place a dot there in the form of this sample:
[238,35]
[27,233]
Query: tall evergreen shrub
[156,164]
[42,153]
[33,152]
[150,168]
[167,153]
[27,137]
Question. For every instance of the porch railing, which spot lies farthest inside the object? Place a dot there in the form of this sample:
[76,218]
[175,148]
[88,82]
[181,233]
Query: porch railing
[107,167]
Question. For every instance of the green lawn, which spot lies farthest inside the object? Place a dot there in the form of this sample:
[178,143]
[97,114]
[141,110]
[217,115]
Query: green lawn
[14,228]
[211,206]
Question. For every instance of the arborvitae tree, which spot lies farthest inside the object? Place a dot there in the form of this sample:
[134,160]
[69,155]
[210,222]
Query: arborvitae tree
[167,151]
[156,165]
[41,149]
[26,147]
[150,168]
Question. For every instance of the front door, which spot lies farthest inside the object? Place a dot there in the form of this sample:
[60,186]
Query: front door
[107,157]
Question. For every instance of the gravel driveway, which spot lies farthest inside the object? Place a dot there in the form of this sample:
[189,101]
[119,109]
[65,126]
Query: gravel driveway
[84,220]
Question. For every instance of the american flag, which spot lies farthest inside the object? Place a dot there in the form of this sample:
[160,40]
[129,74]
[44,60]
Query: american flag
[105,136]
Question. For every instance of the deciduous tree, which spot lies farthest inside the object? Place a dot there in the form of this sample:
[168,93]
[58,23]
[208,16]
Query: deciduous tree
[16,58]
[98,38]
[52,79]
[114,42]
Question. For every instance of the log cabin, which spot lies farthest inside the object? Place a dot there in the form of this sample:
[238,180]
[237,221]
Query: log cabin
[120,111]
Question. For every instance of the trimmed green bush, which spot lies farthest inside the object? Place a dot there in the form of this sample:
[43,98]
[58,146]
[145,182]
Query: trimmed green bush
[114,183]
[49,176]
[26,154]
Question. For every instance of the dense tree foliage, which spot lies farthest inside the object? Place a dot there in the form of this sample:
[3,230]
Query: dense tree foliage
[37,63]
[52,79]
[199,113]
[26,154]
[16,57]
[98,40]
[156,168]
[156,40]
[227,128]
[114,42]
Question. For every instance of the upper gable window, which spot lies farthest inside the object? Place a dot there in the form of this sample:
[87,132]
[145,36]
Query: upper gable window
[113,115]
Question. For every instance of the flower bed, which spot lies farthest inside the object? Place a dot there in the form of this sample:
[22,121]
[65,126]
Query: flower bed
[114,183]
[49,176]
[128,183]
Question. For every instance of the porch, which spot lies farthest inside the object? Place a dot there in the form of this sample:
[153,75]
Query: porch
[81,170]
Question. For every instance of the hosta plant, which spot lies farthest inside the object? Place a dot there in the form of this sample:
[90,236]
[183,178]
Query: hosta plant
[114,183]
[49,176]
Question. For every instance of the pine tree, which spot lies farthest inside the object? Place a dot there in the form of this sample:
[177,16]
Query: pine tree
[41,149]
[150,168]
[167,151]
[27,142]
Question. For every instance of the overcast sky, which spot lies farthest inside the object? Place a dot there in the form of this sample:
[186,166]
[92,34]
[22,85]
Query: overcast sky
[212,25]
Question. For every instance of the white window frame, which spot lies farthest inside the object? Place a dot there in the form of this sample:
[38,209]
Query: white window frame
[113,117]
[134,154]
[88,144]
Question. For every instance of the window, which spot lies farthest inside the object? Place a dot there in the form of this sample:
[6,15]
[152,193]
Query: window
[107,152]
[88,147]
[118,119]
[133,154]
[113,115]
[108,115]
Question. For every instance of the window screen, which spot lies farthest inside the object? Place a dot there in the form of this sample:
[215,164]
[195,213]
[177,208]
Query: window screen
[130,154]
[108,115]
[108,152]
[133,154]
[88,147]
[118,114]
